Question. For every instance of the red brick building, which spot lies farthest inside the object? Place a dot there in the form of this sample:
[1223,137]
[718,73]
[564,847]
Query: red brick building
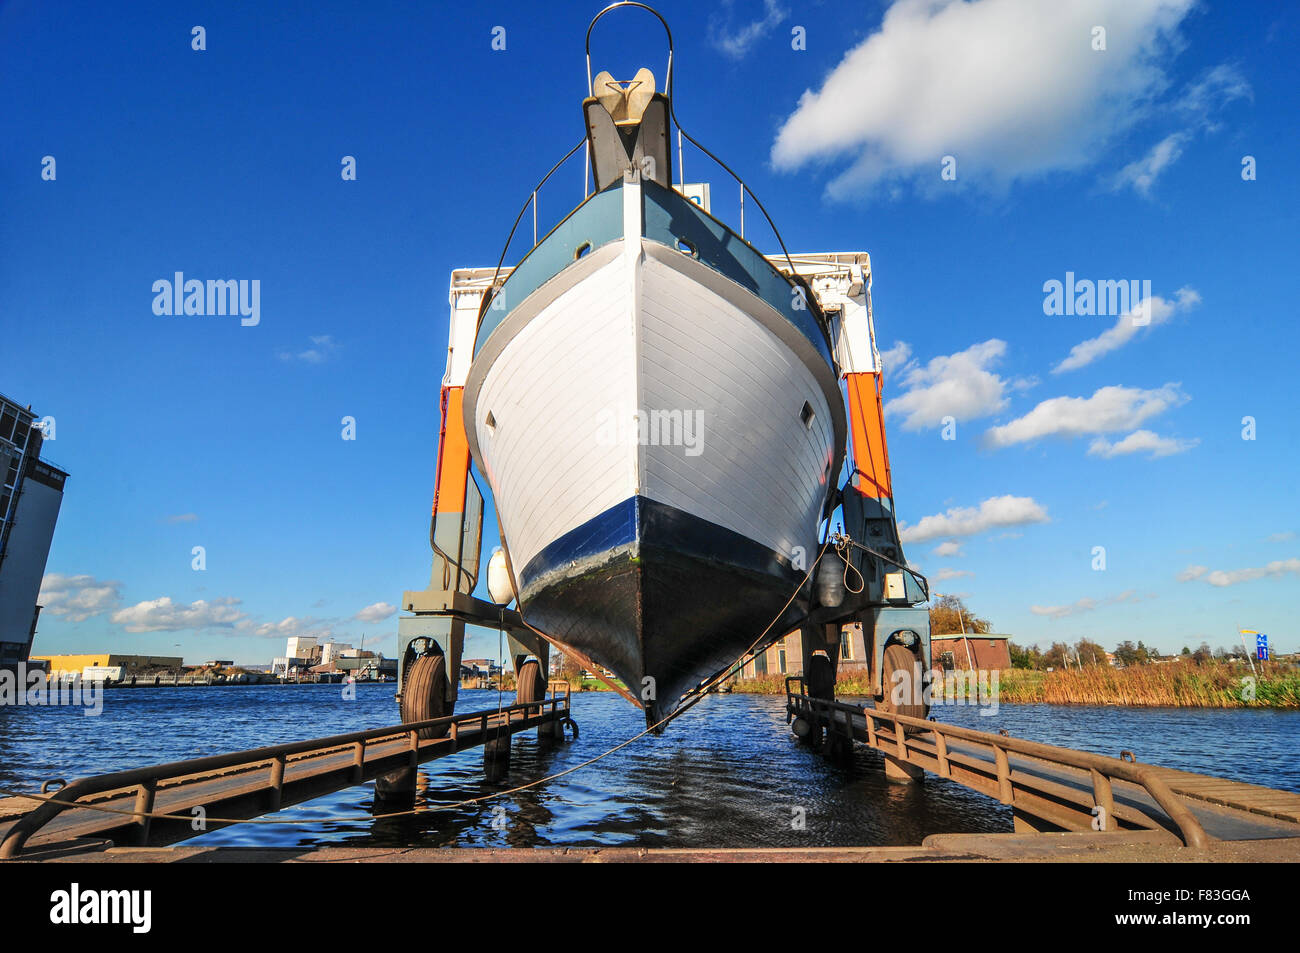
[987,652]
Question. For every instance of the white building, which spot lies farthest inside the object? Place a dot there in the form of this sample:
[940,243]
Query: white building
[330,651]
[301,646]
[31,492]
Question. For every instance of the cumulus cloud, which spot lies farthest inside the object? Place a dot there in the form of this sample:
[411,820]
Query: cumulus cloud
[163,615]
[1108,410]
[950,548]
[289,626]
[897,359]
[1011,88]
[377,612]
[957,385]
[735,40]
[1221,578]
[77,598]
[1140,441]
[993,513]
[1150,313]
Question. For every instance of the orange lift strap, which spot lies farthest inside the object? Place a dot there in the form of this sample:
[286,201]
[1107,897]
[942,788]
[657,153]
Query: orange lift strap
[870,455]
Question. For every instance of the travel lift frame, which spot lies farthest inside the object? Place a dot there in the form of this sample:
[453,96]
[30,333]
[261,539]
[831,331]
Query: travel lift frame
[866,578]
[885,601]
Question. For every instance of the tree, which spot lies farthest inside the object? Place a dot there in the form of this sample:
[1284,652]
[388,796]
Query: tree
[1202,654]
[1021,657]
[1089,652]
[1056,656]
[949,616]
[1126,653]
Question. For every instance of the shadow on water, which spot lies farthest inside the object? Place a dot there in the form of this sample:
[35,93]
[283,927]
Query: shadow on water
[726,774]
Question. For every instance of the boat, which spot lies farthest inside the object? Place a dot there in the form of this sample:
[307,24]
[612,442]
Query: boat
[656,409]
[655,406]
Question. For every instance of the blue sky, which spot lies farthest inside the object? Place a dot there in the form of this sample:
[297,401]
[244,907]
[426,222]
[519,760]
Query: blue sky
[1116,163]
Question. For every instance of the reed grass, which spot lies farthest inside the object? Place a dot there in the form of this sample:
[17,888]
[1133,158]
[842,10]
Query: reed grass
[1178,684]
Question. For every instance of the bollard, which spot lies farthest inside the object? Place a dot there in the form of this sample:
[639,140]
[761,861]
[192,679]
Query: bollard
[496,755]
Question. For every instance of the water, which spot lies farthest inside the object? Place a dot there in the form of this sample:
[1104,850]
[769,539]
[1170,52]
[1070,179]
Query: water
[726,774]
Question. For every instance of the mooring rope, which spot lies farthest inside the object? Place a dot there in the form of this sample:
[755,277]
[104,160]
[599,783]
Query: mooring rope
[691,699]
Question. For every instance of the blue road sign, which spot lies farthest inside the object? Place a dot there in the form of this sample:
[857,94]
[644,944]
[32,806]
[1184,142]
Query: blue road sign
[1261,647]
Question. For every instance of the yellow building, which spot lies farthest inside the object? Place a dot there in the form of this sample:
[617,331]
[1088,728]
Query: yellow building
[74,664]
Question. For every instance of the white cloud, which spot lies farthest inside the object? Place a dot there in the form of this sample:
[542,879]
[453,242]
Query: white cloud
[77,597]
[950,548]
[993,513]
[957,385]
[1153,311]
[320,349]
[1281,537]
[1108,410]
[1142,173]
[1198,103]
[1011,88]
[377,612]
[944,574]
[183,518]
[162,615]
[1060,612]
[897,359]
[735,41]
[289,626]
[1279,567]
[1140,441]
[1085,605]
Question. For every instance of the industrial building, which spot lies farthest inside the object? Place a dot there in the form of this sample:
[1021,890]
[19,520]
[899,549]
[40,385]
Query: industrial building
[31,492]
[131,664]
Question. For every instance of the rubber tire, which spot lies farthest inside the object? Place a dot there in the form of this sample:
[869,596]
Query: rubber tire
[820,678]
[898,657]
[529,684]
[425,694]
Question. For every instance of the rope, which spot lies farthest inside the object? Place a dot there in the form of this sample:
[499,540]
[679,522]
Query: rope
[692,699]
[842,549]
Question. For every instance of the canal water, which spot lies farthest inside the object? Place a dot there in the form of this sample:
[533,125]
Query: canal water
[725,774]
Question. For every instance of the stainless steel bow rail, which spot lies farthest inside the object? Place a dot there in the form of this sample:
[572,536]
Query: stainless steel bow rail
[159,805]
[1050,788]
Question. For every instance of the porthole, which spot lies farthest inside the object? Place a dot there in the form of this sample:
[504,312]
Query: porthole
[582,251]
[686,247]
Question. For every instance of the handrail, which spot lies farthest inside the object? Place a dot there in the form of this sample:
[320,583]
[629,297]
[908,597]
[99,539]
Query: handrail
[152,774]
[491,293]
[668,80]
[1190,829]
